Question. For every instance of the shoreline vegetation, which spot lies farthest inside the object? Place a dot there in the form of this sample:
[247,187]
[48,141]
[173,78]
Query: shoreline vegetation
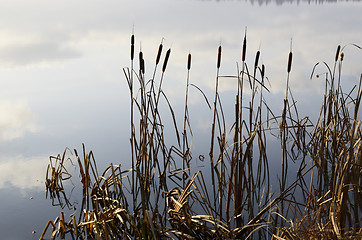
[163,196]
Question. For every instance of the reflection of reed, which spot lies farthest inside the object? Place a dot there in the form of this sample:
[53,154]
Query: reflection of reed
[164,196]
[281,2]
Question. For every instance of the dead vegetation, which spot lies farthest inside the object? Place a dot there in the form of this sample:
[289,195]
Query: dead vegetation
[163,196]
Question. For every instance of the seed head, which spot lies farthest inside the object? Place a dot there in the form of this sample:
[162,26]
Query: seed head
[290,62]
[189,62]
[166,60]
[219,57]
[337,53]
[142,62]
[132,47]
[256,59]
[159,54]
[244,49]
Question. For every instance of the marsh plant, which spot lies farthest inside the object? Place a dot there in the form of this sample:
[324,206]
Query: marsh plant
[163,195]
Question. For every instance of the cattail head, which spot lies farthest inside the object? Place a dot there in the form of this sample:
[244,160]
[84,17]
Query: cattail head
[342,56]
[189,62]
[166,60]
[256,59]
[142,62]
[140,55]
[243,55]
[132,47]
[262,71]
[159,54]
[289,62]
[337,53]
[143,66]
[219,57]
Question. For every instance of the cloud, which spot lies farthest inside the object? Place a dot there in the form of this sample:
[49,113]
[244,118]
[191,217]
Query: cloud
[23,173]
[16,118]
[23,54]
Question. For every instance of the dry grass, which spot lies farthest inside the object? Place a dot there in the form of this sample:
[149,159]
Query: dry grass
[160,198]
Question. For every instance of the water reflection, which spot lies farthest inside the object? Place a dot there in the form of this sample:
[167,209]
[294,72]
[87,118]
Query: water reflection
[281,2]
[24,213]
[62,83]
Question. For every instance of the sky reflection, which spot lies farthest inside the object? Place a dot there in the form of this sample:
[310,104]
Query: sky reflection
[62,82]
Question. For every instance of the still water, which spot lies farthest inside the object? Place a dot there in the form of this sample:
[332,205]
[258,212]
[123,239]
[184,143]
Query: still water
[62,82]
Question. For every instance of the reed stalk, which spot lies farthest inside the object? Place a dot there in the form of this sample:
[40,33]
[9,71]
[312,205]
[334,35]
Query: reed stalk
[162,196]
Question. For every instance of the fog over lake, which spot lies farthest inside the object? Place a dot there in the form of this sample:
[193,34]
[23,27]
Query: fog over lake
[62,82]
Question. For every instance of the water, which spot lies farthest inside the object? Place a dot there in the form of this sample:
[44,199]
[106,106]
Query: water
[62,82]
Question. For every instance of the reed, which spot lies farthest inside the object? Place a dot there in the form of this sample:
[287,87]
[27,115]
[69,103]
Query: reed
[163,196]
[333,200]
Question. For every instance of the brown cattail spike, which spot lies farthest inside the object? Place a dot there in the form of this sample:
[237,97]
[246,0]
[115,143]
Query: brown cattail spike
[290,62]
[132,47]
[142,63]
[219,57]
[256,59]
[342,56]
[159,54]
[262,71]
[243,56]
[166,59]
[132,52]
[337,53]
[143,66]
[189,62]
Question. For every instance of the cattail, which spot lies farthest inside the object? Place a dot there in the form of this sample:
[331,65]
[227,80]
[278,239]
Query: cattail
[189,62]
[143,66]
[342,56]
[132,47]
[337,53]
[159,54]
[290,62]
[256,59]
[166,59]
[244,49]
[140,56]
[142,63]
[262,71]
[219,57]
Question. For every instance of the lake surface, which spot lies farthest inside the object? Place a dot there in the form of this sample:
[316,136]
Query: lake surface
[62,82]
